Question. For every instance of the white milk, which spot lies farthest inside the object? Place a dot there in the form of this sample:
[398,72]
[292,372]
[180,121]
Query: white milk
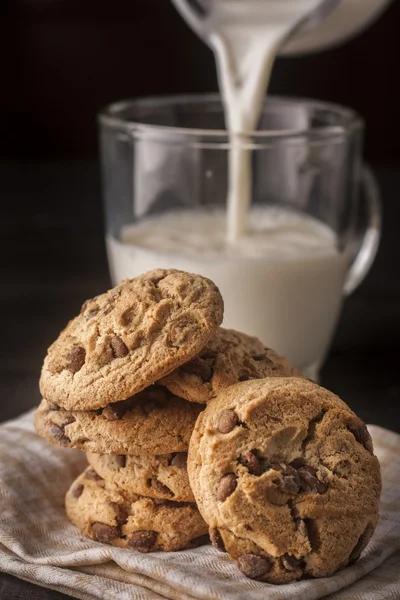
[282,281]
[246,38]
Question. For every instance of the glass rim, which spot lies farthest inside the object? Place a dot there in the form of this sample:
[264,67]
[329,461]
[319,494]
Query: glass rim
[351,120]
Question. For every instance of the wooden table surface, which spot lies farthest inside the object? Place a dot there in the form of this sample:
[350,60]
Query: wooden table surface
[54,258]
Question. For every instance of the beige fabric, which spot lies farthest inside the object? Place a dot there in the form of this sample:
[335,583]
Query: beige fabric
[38,544]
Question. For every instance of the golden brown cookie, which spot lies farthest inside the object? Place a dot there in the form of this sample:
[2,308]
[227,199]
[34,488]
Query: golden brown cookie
[151,422]
[229,357]
[107,514]
[163,476]
[284,473]
[126,339]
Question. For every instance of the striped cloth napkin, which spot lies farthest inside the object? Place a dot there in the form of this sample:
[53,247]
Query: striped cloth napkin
[38,544]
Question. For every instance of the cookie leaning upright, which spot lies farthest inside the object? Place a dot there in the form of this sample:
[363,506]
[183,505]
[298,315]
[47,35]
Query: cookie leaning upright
[126,339]
[284,474]
[229,357]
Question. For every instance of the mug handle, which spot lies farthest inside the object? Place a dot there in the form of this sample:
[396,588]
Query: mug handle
[370,241]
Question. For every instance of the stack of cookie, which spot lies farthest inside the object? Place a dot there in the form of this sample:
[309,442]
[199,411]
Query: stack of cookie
[125,382]
[190,428]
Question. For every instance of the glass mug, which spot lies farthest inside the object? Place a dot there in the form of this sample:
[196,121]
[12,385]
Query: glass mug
[312,235]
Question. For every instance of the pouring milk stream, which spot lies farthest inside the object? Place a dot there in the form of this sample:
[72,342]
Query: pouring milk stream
[246,38]
[279,253]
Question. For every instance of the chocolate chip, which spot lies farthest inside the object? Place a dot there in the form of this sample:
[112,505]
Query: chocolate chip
[254,566]
[93,312]
[179,460]
[289,484]
[289,562]
[226,486]
[104,533]
[227,421]
[289,481]
[58,434]
[92,475]
[251,462]
[121,513]
[216,540]
[119,348]
[51,406]
[143,541]
[301,527]
[68,421]
[87,303]
[202,540]
[120,460]
[77,490]
[310,482]
[198,367]
[115,411]
[76,359]
[362,436]
[160,488]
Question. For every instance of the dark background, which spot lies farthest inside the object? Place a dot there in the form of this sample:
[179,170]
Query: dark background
[64,59]
[61,61]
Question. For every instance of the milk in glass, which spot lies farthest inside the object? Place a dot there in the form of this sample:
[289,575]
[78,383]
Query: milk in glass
[279,271]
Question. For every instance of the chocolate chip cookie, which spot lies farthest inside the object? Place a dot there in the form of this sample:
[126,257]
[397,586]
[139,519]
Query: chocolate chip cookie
[229,357]
[107,514]
[127,338]
[284,473]
[164,476]
[153,421]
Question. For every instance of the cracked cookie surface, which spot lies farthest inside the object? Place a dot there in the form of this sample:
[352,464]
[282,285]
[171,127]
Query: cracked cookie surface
[107,514]
[284,474]
[126,339]
[229,357]
[163,476]
[153,421]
